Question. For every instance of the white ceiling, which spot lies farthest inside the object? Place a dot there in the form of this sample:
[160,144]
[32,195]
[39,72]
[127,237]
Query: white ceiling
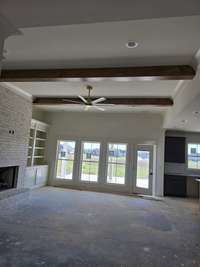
[29,13]
[102,88]
[182,116]
[161,42]
[187,120]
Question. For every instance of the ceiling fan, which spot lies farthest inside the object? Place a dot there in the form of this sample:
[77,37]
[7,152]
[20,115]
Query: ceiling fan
[88,101]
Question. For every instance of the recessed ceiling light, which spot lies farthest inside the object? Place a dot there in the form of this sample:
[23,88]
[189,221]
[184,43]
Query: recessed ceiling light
[131,44]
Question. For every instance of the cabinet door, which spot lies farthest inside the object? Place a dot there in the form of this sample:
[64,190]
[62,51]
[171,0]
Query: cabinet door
[175,186]
[30,177]
[41,175]
[175,149]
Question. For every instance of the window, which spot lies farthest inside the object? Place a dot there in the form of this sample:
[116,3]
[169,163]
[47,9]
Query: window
[65,160]
[90,161]
[116,163]
[194,156]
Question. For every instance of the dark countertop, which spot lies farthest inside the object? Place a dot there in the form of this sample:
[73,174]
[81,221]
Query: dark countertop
[186,175]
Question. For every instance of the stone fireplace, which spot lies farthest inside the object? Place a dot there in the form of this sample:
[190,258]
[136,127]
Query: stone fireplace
[15,121]
[8,177]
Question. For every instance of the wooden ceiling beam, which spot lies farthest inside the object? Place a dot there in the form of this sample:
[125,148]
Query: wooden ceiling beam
[153,101]
[179,72]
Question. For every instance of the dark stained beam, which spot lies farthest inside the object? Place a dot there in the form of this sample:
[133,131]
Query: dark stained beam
[154,101]
[182,72]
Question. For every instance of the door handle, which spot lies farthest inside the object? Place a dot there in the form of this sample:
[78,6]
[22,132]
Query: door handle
[151,173]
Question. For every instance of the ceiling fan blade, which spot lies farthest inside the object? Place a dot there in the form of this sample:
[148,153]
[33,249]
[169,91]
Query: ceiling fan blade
[83,99]
[105,105]
[101,99]
[86,108]
[97,107]
[70,101]
[129,107]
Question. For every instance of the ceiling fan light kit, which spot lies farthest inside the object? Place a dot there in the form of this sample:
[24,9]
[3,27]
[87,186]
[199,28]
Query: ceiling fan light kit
[89,102]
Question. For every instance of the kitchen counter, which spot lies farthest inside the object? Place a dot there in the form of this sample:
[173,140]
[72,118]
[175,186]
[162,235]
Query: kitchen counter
[186,175]
[181,184]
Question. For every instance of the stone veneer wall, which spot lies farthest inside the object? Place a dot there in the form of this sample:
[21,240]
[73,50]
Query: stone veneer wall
[15,115]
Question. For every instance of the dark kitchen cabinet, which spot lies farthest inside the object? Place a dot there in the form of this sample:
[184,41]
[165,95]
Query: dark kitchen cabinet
[175,149]
[175,185]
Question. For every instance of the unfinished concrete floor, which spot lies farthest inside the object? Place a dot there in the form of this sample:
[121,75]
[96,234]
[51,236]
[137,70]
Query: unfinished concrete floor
[60,227]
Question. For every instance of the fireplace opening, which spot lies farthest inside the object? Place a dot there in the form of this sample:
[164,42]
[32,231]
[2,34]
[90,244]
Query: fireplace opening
[8,177]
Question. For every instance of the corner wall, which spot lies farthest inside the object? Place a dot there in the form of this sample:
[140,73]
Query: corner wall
[15,115]
[137,128]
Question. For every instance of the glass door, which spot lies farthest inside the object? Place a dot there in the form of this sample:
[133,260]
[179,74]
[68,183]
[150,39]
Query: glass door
[144,170]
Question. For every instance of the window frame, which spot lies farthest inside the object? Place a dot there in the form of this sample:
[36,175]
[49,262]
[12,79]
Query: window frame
[125,164]
[81,161]
[57,158]
[193,169]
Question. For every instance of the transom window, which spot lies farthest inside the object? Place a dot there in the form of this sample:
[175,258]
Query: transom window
[90,161]
[194,156]
[65,159]
[116,167]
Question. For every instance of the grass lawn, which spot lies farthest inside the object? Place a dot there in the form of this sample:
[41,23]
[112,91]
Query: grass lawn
[113,169]
[192,164]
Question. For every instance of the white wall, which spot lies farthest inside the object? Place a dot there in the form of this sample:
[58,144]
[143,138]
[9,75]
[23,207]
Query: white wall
[38,114]
[138,128]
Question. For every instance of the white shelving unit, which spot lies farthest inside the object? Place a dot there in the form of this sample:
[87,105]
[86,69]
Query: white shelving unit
[36,172]
[37,142]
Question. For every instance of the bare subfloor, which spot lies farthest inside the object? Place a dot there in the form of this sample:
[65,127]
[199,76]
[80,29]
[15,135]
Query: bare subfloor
[60,227]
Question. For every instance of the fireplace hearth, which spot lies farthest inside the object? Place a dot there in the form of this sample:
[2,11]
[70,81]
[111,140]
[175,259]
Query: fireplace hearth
[8,177]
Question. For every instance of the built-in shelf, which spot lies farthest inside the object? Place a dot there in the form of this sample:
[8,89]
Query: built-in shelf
[41,139]
[38,136]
